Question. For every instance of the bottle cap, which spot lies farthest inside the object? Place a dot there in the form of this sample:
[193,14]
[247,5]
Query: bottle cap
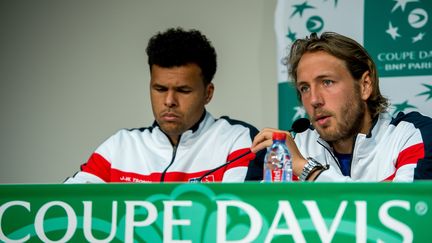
[279,136]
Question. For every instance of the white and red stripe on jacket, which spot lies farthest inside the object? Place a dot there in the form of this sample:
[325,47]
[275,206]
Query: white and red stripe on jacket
[396,149]
[144,155]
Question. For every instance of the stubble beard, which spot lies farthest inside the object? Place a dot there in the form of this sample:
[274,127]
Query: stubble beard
[349,124]
[172,129]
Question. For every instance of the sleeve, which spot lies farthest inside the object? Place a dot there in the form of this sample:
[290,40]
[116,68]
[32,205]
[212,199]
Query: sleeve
[256,165]
[237,170]
[414,161]
[83,177]
[97,169]
[423,170]
[249,167]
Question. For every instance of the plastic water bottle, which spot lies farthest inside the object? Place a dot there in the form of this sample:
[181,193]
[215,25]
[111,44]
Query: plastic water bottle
[278,163]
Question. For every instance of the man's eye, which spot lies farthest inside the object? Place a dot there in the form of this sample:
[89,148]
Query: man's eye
[184,91]
[327,82]
[303,89]
[159,89]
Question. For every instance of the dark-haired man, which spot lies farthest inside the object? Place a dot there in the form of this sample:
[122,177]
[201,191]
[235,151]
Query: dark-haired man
[185,143]
[352,137]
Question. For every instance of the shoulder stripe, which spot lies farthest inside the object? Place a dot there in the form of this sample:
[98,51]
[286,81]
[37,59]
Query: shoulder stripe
[253,130]
[423,124]
[410,155]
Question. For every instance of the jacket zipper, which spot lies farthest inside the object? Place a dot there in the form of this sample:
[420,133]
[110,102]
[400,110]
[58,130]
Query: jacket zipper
[172,161]
[331,153]
[334,157]
[352,156]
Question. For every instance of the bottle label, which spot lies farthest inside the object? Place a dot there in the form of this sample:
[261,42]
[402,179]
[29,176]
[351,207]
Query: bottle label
[277,175]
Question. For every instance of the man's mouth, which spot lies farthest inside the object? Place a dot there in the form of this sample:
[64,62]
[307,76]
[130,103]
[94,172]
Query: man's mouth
[321,120]
[170,116]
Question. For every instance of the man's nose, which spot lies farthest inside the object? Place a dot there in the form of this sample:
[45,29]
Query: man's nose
[170,99]
[316,98]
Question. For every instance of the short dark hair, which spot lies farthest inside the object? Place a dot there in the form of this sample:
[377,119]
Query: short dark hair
[357,60]
[177,47]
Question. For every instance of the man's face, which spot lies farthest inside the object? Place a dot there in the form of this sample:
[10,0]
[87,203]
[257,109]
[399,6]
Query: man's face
[178,97]
[334,102]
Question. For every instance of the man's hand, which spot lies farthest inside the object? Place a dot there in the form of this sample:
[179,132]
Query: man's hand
[264,139]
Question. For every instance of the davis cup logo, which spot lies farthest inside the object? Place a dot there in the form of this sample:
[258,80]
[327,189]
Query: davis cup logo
[398,36]
[417,19]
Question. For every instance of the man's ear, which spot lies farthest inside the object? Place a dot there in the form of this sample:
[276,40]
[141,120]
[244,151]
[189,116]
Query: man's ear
[209,92]
[366,85]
